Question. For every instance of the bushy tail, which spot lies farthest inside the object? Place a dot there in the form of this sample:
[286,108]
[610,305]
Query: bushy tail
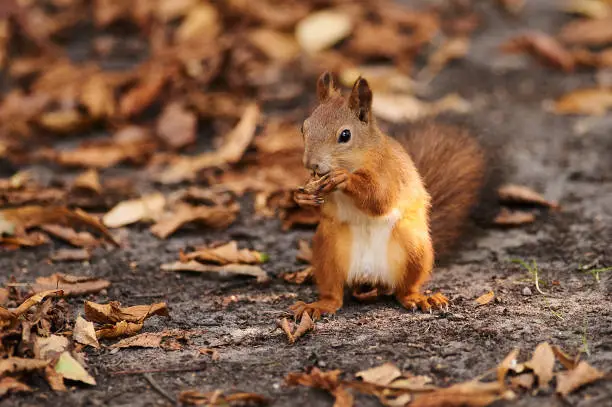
[452,165]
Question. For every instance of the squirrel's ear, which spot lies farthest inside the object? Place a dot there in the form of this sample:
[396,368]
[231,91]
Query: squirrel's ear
[360,100]
[325,86]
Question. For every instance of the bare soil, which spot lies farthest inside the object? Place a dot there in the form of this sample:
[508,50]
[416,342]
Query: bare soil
[568,158]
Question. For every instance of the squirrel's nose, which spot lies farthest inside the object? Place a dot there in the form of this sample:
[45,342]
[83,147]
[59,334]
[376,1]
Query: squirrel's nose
[317,167]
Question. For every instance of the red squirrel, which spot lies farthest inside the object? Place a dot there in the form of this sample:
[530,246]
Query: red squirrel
[387,204]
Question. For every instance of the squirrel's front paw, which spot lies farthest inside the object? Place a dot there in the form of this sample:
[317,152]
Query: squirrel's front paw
[334,180]
[314,309]
[424,302]
[303,198]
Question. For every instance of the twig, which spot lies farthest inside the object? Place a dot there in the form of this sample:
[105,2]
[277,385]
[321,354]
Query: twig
[158,388]
[195,368]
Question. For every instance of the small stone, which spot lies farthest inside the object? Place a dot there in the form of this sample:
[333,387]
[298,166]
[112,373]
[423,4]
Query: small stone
[527,291]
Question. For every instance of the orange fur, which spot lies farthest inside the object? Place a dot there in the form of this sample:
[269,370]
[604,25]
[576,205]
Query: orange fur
[379,192]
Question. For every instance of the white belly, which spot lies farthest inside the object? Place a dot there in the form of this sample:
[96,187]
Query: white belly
[370,241]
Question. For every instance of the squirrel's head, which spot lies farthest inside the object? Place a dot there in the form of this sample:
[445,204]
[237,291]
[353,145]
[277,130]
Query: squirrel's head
[340,130]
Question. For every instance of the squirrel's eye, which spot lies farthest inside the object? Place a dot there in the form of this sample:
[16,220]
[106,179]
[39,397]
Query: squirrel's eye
[345,136]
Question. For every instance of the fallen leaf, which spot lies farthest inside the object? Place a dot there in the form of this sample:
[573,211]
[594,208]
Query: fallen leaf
[11,385]
[4,295]
[227,270]
[398,108]
[88,181]
[329,381]
[450,50]
[381,375]
[36,299]
[275,45]
[514,7]
[385,79]
[54,379]
[233,147]
[305,251]
[571,380]
[323,29]
[542,46]
[298,277]
[85,333]
[13,365]
[97,96]
[568,362]
[71,285]
[149,207]
[522,381]
[468,394]
[177,126]
[47,348]
[68,367]
[587,32]
[589,8]
[218,217]
[69,235]
[144,93]
[512,193]
[214,354]
[505,217]
[285,326]
[594,102]
[113,312]
[542,363]
[217,398]
[225,254]
[509,363]
[485,298]
[71,255]
[306,324]
[121,328]
[145,340]
[63,121]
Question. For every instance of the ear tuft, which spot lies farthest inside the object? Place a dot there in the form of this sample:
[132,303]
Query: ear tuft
[325,86]
[360,100]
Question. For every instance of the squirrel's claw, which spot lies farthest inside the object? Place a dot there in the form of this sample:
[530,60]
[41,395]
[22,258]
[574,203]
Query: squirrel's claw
[336,179]
[423,302]
[304,199]
[314,309]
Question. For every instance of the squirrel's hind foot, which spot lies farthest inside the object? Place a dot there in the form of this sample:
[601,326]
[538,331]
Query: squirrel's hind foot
[423,302]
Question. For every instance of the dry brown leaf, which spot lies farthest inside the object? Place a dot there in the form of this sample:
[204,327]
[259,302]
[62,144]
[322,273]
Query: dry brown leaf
[225,254]
[55,379]
[505,217]
[305,251]
[11,385]
[386,79]
[398,108]
[568,362]
[485,298]
[63,121]
[323,29]
[4,295]
[298,277]
[69,235]
[85,333]
[88,181]
[274,44]
[36,299]
[13,365]
[148,207]
[97,96]
[450,50]
[113,312]
[509,363]
[594,102]
[306,324]
[595,9]
[202,23]
[468,394]
[71,369]
[71,255]
[233,147]
[48,348]
[145,340]
[285,326]
[542,363]
[542,46]
[214,354]
[122,328]
[381,375]
[217,398]
[514,7]
[177,126]
[218,217]
[71,285]
[587,32]
[571,380]
[512,193]
[522,381]
[144,94]
[223,271]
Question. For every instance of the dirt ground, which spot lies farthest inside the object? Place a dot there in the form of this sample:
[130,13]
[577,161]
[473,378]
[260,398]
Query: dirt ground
[567,158]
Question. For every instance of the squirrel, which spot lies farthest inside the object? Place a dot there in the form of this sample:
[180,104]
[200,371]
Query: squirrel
[387,204]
